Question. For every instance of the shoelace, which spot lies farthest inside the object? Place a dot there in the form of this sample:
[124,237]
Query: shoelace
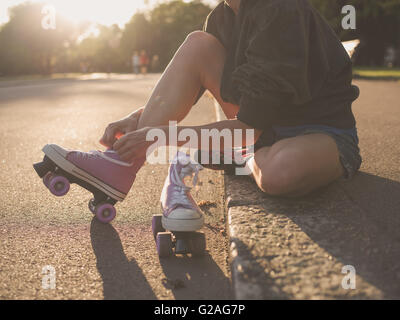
[180,190]
[98,154]
[88,155]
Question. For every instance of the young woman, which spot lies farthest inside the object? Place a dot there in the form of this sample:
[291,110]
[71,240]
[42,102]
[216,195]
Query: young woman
[273,66]
[277,67]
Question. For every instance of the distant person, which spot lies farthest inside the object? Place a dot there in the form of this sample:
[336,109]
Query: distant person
[84,66]
[135,62]
[144,62]
[155,63]
[390,57]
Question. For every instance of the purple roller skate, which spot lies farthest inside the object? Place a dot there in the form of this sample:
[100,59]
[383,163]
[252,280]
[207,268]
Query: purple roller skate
[102,173]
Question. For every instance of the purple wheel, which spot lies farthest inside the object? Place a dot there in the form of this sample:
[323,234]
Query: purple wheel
[58,185]
[105,212]
[164,244]
[46,179]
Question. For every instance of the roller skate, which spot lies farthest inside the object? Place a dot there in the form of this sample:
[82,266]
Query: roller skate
[175,229]
[102,173]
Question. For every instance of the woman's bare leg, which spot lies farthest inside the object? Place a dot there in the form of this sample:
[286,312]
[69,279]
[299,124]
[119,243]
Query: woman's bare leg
[198,63]
[291,167]
[297,166]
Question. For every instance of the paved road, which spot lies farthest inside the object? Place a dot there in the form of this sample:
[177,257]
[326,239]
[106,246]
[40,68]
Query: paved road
[92,260]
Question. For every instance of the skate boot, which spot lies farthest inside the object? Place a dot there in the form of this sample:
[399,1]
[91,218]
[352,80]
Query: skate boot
[174,229]
[180,211]
[102,173]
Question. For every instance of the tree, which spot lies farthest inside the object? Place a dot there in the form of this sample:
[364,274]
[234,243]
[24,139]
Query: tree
[164,28]
[137,35]
[101,52]
[378,26]
[25,46]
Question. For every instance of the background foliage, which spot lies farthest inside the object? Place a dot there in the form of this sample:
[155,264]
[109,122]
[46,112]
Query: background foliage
[26,48]
[378,26]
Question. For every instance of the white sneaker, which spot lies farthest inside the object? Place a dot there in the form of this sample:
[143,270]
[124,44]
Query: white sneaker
[180,211]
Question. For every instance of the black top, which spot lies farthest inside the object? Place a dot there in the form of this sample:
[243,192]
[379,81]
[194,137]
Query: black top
[285,66]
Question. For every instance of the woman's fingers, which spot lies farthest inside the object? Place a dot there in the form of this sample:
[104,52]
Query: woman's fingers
[131,145]
[117,129]
[127,156]
[129,149]
[120,142]
[109,135]
[125,148]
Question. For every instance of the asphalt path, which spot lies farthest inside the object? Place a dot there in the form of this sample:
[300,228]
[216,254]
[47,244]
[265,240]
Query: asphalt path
[92,260]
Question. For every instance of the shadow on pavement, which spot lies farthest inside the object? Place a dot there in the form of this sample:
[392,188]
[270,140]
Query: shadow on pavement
[195,278]
[365,235]
[122,279]
[379,198]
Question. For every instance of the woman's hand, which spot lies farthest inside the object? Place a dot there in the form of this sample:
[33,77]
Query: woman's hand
[117,129]
[132,145]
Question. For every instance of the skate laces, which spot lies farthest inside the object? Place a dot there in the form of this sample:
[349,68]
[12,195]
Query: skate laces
[180,189]
[94,154]
[88,155]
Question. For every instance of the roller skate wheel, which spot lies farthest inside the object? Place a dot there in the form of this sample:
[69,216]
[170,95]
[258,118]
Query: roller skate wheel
[105,212]
[156,225]
[198,244]
[164,244]
[58,185]
[46,179]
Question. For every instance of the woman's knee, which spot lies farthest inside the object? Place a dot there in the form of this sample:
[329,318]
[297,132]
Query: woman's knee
[281,176]
[202,38]
[204,45]
[205,56]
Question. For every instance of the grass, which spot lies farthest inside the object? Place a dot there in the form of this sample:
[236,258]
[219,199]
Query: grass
[377,73]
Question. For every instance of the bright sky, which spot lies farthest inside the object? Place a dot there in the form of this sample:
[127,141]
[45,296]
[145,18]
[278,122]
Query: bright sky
[105,12]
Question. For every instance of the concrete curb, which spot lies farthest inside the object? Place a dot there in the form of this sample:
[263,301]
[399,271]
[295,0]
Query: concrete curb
[297,248]
[240,198]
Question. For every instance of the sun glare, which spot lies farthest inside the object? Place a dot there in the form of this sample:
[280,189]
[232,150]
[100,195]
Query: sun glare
[105,12]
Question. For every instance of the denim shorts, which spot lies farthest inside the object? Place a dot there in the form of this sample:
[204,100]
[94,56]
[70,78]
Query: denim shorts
[346,141]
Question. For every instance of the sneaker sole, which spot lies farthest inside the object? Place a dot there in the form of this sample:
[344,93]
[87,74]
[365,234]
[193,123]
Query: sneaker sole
[67,166]
[182,225]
